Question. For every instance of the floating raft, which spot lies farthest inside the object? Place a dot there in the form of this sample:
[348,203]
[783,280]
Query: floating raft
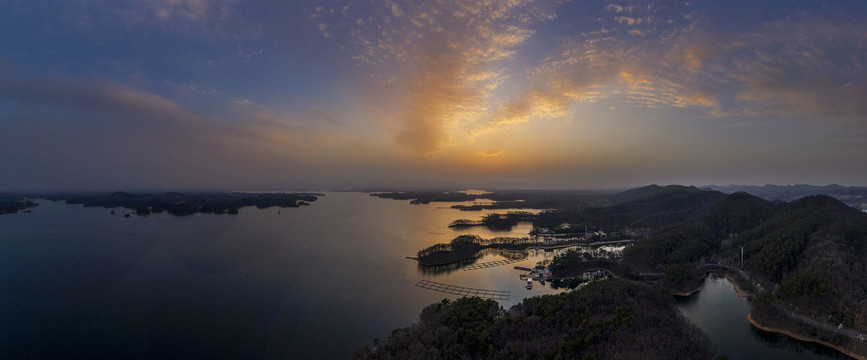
[464,291]
[489,264]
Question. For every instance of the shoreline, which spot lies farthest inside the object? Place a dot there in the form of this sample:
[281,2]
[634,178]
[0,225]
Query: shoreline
[685,294]
[700,283]
[542,247]
[741,293]
[790,334]
[528,248]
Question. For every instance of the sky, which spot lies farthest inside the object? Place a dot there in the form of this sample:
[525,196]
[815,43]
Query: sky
[274,94]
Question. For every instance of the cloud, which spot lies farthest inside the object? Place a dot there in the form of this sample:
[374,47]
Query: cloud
[599,65]
[812,68]
[105,134]
[323,115]
[627,20]
[491,152]
[92,97]
[618,8]
[534,103]
[448,57]
[191,9]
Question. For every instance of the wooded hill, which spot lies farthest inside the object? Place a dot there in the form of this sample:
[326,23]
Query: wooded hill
[647,207]
[614,319]
[809,253]
[814,250]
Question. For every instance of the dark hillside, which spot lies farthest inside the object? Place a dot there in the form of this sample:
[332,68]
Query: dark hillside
[739,212]
[650,191]
[648,207]
[814,250]
[706,232]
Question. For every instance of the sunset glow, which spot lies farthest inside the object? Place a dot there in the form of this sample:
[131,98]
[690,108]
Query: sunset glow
[519,93]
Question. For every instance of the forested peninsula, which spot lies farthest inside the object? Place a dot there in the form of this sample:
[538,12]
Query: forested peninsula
[615,319]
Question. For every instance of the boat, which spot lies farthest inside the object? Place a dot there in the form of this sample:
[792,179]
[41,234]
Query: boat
[529,284]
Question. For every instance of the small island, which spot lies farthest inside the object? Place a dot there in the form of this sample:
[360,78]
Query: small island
[496,221]
[12,203]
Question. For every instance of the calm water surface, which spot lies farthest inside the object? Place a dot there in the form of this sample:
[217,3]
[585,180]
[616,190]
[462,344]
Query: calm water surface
[722,315]
[308,283]
[311,282]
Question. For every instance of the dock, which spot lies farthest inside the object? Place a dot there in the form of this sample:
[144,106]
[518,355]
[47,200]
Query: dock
[491,264]
[464,291]
[523,268]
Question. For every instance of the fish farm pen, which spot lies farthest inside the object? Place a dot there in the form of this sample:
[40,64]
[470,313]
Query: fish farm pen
[464,291]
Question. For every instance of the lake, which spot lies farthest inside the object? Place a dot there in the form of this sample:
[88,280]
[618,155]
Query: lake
[310,282]
[722,315]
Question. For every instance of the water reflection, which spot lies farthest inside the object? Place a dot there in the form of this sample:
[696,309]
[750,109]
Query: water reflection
[780,341]
[455,266]
[540,256]
[509,255]
[447,268]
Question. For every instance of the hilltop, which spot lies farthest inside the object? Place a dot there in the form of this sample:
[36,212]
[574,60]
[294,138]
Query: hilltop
[805,257]
[810,252]
[855,196]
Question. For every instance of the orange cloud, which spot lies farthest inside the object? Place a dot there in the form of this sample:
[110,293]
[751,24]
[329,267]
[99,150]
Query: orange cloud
[534,103]
[491,152]
[448,59]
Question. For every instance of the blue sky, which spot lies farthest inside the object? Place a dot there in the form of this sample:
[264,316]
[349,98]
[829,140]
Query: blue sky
[187,94]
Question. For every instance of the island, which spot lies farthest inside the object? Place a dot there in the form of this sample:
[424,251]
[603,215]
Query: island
[496,221]
[502,199]
[181,204]
[12,203]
